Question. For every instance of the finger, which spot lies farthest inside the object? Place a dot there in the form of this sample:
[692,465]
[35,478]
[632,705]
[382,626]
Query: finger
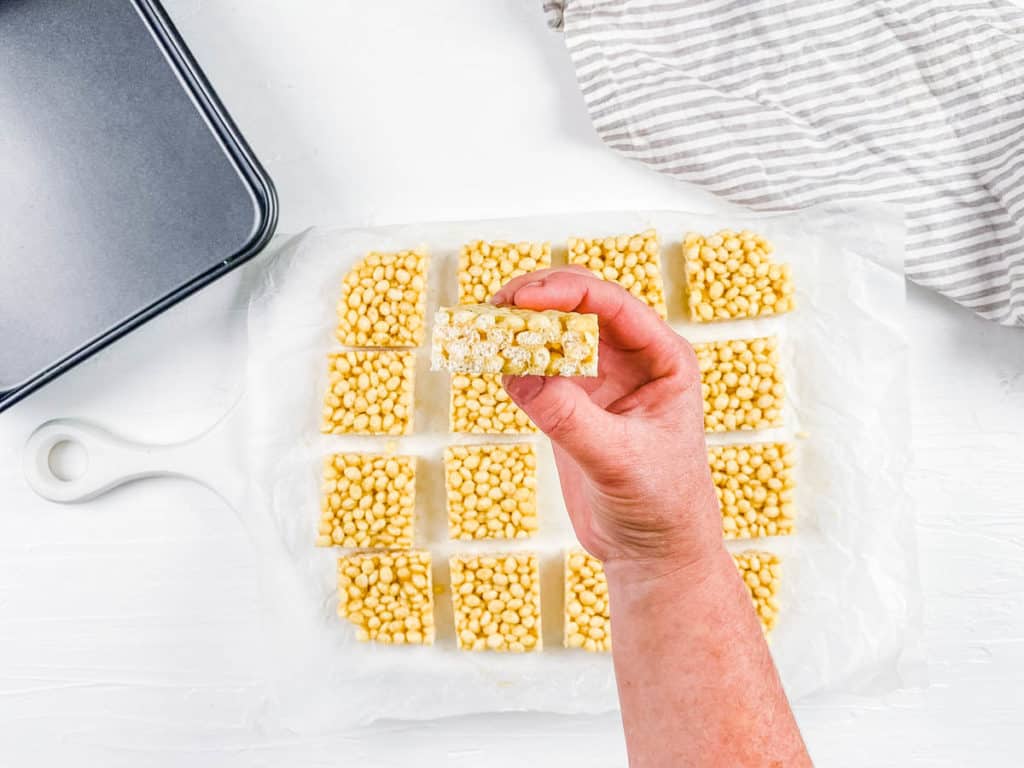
[508,290]
[564,412]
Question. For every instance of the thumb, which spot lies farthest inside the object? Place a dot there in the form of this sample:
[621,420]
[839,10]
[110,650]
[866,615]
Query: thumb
[565,413]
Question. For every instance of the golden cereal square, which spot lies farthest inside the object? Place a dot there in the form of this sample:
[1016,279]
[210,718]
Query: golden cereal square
[388,596]
[370,392]
[485,267]
[496,600]
[741,381]
[382,302]
[587,619]
[492,491]
[731,275]
[368,501]
[479,405]
[755,487]
[760,572]
[632,261]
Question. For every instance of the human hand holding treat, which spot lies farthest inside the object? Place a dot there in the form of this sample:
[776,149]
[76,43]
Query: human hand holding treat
[629,443]
[696,682]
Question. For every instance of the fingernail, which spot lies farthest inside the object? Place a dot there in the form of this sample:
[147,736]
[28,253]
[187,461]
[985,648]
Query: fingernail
[499,298]
[523,388]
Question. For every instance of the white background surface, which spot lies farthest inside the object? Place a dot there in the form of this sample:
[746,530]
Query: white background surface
[128,625]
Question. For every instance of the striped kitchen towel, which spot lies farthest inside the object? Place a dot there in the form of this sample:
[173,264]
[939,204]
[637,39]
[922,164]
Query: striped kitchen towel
[777,104]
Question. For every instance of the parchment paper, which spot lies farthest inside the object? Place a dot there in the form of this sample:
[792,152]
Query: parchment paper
[850,596]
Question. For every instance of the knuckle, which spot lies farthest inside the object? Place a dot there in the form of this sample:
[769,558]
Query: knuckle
[686,356]
[558,418]
[576,269]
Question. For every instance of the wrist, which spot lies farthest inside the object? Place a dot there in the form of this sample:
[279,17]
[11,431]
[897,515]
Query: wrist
[676,574]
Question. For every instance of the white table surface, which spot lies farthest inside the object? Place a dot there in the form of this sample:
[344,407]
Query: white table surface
[128,625]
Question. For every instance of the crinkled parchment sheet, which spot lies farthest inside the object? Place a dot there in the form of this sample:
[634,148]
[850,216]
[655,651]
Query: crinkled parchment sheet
[850,596]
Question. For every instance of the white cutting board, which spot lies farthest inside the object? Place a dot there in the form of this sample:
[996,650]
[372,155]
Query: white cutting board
[848,586]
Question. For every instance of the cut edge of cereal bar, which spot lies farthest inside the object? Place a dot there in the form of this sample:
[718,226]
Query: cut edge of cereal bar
[482,338]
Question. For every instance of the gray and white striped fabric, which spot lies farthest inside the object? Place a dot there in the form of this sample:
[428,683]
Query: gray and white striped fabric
[777,104]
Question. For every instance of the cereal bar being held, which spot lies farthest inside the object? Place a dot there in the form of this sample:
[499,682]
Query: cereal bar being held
[481,338]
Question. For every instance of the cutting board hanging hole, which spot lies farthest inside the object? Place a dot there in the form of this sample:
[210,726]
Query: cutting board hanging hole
[68,460]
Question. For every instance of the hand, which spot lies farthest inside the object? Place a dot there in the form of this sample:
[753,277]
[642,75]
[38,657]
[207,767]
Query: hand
[629,444]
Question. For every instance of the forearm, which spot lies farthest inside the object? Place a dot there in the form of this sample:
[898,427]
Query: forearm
[697,685]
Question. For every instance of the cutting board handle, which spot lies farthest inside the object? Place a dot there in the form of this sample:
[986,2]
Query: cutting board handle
[112,460]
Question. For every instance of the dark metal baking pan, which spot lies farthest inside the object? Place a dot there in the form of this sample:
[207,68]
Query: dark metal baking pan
[124,184]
